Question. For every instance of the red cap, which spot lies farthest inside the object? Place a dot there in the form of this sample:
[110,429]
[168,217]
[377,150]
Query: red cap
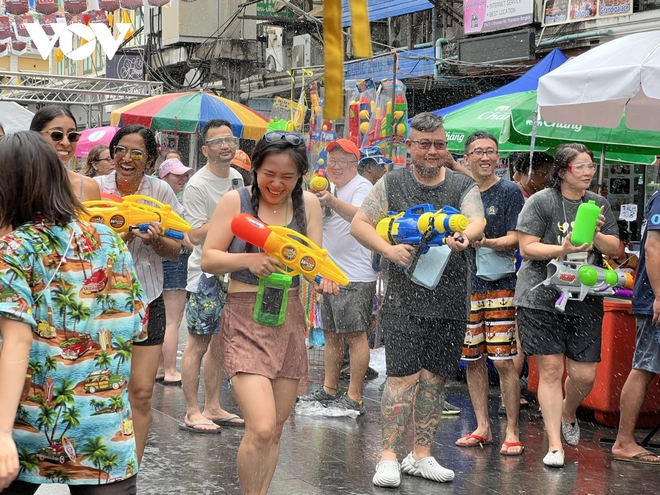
[346,145]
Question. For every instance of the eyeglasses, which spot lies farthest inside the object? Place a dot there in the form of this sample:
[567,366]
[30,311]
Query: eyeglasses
[108,159]
[425,144]
[136,155]
[221,141]
[479,152]
[342,163]
[57,136]
[290,137]
[581,167]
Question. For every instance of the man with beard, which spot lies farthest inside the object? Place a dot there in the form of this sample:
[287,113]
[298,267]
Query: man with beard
[423,328]
[206,292]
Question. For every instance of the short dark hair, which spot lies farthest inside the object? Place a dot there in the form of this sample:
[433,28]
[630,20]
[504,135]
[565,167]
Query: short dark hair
[35,185]
[426,122]
[539,160]
[147,134]
[565,154]
[480,135]
[45,115]
[214,123]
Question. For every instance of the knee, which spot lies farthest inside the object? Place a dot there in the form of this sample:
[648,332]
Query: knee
[476,365]
[551,373]
[140,396]
[585,376]
[505,366]
[263,434]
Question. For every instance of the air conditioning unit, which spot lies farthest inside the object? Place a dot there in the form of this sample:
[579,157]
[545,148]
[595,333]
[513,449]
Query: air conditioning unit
[278,57]
[301,54]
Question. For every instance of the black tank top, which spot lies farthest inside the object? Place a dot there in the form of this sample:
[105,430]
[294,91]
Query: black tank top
[240,246]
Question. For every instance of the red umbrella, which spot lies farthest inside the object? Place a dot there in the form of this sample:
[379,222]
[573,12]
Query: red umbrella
[94,137]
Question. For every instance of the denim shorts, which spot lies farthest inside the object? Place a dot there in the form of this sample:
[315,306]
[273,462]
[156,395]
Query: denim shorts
[175,272]
[647,345]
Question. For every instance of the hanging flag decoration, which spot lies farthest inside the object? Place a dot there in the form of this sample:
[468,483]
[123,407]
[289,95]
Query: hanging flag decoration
[18,7]
[333,41]
[109,5]
[131,4]
[18,48]
[46,21]
[45,6]
[75,6]
[5,29]
[98,16]
[21,31]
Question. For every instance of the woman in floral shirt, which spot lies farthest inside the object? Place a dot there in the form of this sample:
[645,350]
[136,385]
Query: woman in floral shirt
[70,309]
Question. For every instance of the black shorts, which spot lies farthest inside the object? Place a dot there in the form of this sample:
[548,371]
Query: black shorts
[124,487]
[156,324]
[413,343]
[546,333]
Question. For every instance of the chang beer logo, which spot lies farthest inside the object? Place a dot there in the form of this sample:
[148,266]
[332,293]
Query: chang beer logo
[503,112]
[96,32]
[543,123]
[455,137]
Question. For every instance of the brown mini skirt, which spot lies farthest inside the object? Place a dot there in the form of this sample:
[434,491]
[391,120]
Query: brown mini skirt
[273,352]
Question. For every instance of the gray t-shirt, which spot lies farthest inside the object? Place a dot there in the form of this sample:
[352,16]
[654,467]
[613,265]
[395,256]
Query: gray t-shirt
[550,216]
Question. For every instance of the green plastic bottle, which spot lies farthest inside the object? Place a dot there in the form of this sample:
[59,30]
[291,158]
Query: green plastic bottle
[586,220]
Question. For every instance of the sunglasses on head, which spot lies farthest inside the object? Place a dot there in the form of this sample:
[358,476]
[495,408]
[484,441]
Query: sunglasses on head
[57,136]
[290,137]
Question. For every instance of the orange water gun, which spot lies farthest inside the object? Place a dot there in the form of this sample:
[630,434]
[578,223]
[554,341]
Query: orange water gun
[298,253]
[127,213]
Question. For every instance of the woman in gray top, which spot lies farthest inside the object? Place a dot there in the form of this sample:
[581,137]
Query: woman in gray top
[544,229]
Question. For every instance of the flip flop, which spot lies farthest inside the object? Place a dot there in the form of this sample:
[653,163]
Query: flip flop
[175,383]
[480,441]
[639,458]
[507,445]
[191,428]
[160,379]
[230,421]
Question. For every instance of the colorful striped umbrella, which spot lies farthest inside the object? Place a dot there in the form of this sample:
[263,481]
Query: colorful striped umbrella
[188,112]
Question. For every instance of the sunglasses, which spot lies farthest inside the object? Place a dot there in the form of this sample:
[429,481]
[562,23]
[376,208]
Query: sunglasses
[290,137]
[136,155]
[57,136]
[425,144]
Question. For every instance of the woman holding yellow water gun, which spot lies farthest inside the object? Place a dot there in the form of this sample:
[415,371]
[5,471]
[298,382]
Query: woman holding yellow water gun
[134,150]
[265,357]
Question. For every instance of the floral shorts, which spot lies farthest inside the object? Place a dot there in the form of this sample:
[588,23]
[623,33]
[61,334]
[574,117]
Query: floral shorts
[204,307]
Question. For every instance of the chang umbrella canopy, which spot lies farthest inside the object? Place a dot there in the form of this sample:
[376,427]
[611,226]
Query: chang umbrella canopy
[189,112]
[619,143]
[596,87]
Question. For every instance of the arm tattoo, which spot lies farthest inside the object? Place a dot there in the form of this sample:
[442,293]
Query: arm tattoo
[395,409]
[427,410]
[374,205]
[471,205]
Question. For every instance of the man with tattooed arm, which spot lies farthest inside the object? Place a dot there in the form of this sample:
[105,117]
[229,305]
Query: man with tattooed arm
[424,329]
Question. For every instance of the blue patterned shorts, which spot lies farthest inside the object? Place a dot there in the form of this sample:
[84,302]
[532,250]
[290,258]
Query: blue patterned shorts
[204,307]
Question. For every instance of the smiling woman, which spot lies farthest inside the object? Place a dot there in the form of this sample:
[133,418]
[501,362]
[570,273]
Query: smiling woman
[58,126]
[134,149]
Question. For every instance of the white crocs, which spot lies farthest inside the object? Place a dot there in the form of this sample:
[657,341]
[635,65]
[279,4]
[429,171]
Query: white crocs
[554,459]
[388,474]
[426,468]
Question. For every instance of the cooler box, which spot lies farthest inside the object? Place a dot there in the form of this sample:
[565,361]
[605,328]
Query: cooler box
[617,348]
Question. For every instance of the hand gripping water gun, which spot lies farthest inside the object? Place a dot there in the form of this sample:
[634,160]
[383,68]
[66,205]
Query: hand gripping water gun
[126,214]
[422,226]
[293,249]
[319,182]
[578,280]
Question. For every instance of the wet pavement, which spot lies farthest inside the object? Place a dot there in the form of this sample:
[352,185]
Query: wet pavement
[325,456]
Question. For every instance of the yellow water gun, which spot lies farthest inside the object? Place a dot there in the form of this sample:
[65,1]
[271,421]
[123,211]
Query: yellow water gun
[291,248]
[127,213]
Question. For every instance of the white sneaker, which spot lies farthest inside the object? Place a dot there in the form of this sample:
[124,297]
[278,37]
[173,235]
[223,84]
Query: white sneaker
[388,474]
[426,468]
[554,459]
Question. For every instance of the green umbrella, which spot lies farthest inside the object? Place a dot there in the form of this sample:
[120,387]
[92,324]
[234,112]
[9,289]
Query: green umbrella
[485,115]
[619,144]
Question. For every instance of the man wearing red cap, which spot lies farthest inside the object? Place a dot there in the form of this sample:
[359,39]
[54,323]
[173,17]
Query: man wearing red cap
[345,317]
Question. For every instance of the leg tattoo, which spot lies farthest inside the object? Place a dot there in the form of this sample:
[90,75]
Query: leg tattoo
[394,410]
[427,410]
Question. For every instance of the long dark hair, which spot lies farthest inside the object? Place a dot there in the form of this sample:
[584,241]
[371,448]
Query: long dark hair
[45,115]
[35,185]
[565,154]
[299,155]
[148,136]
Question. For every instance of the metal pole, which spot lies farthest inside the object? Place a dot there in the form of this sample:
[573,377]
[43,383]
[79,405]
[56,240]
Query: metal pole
[393,129]
[602,164]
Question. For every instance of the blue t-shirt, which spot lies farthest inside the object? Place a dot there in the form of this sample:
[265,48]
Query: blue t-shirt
[502,205]
[643,297]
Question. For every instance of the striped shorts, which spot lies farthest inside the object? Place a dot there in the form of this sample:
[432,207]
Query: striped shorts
[491,329]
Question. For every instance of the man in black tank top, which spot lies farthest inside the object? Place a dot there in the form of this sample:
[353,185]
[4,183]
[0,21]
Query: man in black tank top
[423,328]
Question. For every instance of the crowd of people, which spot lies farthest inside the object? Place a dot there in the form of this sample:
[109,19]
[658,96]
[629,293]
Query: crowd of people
[93,315]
